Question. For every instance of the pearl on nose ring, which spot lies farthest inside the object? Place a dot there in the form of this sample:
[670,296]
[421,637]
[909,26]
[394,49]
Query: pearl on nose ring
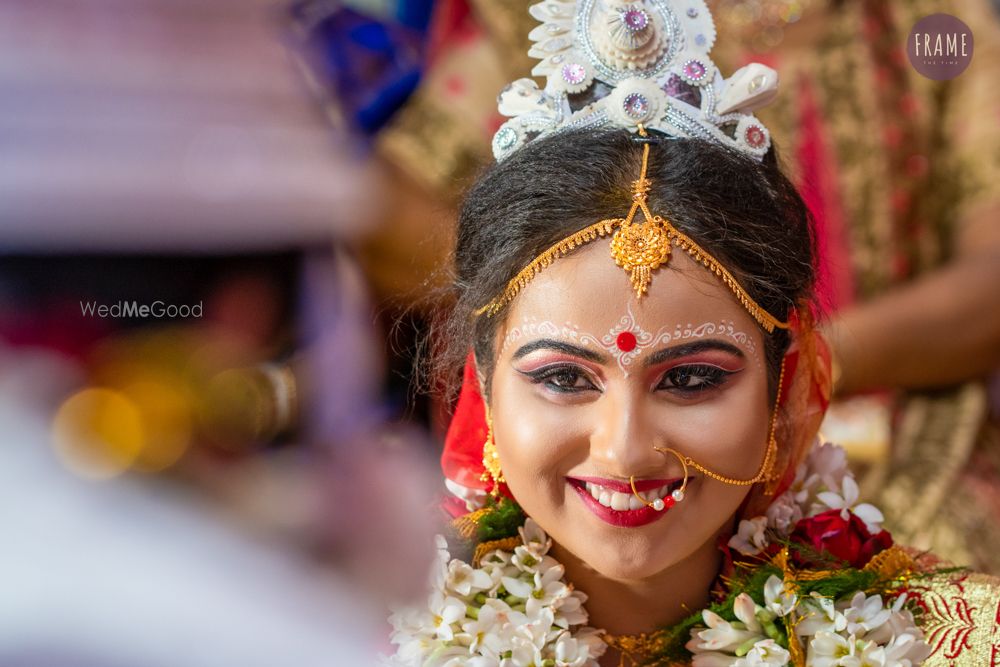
[676,496]
[657,504]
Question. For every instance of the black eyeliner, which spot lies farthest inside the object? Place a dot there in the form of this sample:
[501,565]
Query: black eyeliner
[546,373]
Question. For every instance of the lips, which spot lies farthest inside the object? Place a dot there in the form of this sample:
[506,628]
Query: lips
[613,501]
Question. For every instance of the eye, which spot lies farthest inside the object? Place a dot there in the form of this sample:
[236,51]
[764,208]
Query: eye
[693,379]
[562,379]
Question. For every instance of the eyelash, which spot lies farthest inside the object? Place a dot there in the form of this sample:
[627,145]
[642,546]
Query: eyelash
[546,375]
[711,377]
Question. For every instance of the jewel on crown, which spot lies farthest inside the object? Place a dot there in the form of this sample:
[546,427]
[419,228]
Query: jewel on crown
[626,63]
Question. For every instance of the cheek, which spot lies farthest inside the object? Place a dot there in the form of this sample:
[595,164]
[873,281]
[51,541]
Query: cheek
[538,441]
[728,433]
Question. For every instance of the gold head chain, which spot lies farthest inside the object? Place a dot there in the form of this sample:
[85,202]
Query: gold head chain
[639,248]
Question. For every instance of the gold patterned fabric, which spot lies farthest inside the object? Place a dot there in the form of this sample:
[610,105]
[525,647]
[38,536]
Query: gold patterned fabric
[960,619]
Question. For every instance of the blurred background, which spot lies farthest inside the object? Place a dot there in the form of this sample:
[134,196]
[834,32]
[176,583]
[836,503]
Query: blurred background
[224,223]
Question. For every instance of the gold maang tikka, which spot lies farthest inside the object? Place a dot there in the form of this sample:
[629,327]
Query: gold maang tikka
[638,247]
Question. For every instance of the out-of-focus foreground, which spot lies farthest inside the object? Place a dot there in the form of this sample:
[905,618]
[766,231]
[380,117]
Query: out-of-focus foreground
[198,464]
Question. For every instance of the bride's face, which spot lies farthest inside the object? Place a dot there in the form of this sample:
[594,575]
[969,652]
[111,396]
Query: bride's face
[589,379]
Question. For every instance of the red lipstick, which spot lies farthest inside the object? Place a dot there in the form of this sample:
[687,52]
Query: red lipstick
[622,518]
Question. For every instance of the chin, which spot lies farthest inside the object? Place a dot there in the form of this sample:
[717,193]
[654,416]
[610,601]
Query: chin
[626,562]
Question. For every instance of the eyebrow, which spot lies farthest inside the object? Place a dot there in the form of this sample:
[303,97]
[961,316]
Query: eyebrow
[560,346]
[669,353]
[657,357]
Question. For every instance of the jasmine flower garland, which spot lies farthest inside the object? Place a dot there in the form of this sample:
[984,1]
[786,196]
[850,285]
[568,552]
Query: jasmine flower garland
[818,605]
[819,584]
[513,610]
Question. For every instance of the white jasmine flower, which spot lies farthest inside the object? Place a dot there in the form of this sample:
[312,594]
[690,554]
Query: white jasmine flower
[474,661]
[410,621]
[818,614]
[864,613]
[446,610]
[824,469]
[571,652]
[750,539]
[570,611]
[831,650]
[474,498]
[439,568]
[522,652]
[778,599]
[867,654]
[766,653]
[506,617]
[534,538]
[441,544]
[549,586]
[538,630]
[415,649]
[846,500]
[481,630]
[906,650]
[746,612]
[465,580]
[447,657]
[592,638]
[783,514]
[518,587]
[721,635]
[827,463]
[498,558]
[715,659]
[528,560]
[828,649]
[903,640]
[497,565]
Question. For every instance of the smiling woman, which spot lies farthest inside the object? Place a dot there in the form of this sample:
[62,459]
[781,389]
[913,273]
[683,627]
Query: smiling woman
[593,388]
[637,424]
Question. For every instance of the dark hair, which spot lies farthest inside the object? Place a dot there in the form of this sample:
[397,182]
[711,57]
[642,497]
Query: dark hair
[745,213]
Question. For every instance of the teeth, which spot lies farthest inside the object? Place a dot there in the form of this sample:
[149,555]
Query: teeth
[619,501]
[624,501]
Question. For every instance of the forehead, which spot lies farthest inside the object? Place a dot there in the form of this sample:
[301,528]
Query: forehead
[588,290]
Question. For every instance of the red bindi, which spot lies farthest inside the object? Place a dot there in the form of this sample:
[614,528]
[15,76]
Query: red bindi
[626,341]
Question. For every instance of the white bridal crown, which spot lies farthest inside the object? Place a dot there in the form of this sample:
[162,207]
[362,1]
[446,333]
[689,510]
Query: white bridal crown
[626,63]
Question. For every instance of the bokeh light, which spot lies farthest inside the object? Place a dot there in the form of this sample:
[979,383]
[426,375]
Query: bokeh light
[98,433]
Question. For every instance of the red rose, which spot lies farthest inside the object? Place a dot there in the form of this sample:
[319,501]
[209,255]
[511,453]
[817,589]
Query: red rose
[845,539]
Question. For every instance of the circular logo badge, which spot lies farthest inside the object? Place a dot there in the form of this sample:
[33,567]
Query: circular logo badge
[940,46]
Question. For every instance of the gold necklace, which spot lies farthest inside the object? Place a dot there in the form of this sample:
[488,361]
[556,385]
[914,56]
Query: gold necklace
[639,649]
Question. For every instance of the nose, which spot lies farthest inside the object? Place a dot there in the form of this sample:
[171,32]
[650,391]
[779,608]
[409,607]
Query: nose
[623,438]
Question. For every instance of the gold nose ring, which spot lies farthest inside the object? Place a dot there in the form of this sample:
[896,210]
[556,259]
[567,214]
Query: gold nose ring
[676,496]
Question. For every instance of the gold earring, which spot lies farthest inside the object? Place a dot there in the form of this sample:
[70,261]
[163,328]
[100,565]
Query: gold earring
[491,459]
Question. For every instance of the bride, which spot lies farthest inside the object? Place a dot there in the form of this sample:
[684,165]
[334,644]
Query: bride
[634,454]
